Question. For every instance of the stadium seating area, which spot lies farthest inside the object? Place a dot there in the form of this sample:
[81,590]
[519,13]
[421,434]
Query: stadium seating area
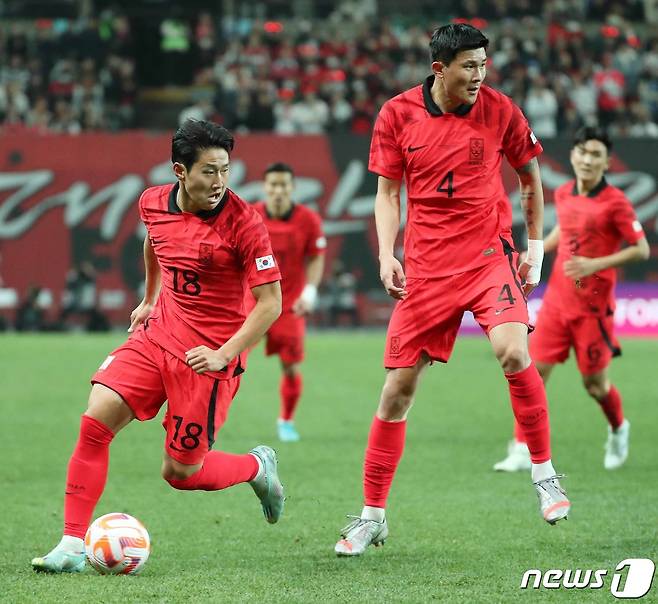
[566,63]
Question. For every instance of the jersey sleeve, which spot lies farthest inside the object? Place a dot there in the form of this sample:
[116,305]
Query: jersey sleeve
[255,253]
[316,243]
[520,144]
[626,222]
[386,157]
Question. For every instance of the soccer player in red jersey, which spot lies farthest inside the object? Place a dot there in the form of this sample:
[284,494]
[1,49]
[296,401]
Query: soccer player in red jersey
[299,245]
[204,245]
[593,220]
[447,138]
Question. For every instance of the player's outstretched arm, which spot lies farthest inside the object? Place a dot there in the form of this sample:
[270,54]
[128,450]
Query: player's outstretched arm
[387,219]
[532,204]
[259,320]
[152,283]
[578,267]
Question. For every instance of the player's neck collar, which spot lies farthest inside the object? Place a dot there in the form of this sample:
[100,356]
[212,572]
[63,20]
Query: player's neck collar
[432,108]
[285,216]
[203,214]
[603,183]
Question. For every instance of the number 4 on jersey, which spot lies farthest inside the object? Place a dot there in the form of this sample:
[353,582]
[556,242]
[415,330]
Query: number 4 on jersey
[445,186]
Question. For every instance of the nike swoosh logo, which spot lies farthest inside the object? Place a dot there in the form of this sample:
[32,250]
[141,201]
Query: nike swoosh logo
[411,149]
[502,310]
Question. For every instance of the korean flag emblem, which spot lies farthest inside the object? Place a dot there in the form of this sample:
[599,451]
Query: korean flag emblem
[264,262]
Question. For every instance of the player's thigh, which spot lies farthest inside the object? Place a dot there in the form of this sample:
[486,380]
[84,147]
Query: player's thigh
[426,323]
[552,338]
[128,384]
[197,407]
[285,338]
[493,294]
[595,343]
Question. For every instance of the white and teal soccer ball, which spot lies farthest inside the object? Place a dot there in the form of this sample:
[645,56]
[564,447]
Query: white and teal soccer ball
[117,544]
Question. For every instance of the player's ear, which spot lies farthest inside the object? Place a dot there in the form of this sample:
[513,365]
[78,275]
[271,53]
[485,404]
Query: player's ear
[437,68]
[180,171]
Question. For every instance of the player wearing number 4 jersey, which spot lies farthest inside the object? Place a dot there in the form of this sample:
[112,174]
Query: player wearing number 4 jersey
[594,218]
[446,138]
[204,245]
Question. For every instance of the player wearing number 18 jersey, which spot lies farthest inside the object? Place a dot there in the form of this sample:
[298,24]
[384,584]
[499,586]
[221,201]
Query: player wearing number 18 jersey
[447,138]
[204,245]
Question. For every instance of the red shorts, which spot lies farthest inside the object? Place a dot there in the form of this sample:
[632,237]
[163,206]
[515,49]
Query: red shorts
[145,376]
[591,337]
[428,319]
[286,338]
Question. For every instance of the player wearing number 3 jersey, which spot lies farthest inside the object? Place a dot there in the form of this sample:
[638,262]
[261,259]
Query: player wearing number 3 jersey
[204,246]
[446,138]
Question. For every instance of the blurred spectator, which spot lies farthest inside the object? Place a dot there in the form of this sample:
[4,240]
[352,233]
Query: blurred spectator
[29,315]
[79,299]
[310,115]
[342,296]
[541,108]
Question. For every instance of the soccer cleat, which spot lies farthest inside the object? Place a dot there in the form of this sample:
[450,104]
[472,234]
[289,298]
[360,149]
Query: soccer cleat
[287,431]
[553,502]
[267,486]
[60,561]
[616,447]
[517,460]
[359,534]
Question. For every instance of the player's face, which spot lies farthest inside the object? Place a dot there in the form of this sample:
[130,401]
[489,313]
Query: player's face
[206,181]
[590,161]
[463,77]
[278,188]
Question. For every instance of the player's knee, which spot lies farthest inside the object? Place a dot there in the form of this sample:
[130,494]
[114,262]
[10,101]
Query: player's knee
[513,358]
[396,399]
[595,389]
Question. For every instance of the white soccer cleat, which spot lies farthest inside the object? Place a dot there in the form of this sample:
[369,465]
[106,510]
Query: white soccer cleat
[287,431]
[359,534]
[616,447]
[553,502]
[517,460]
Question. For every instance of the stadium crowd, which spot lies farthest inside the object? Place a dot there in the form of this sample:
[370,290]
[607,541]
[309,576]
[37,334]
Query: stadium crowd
[566,63]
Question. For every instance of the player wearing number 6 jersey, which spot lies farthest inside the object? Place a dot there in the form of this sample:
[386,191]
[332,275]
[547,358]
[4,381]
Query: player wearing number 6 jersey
[204,245]
[447,138]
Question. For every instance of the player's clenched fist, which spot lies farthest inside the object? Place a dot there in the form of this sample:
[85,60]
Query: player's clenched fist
[203,359]
[392,276]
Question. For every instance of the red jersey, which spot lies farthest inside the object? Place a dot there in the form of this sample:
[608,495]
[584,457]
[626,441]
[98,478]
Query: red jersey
[206,260]
[295,237]
[452,168]
[592,226]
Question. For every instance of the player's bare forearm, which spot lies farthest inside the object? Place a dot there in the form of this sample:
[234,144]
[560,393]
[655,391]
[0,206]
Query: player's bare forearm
[580,266]
[314,270]
[152,279]
[259,320]
[532,198]
[552,240]
[387,214]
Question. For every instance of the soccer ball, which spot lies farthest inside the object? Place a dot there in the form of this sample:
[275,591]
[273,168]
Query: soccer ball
[117,544]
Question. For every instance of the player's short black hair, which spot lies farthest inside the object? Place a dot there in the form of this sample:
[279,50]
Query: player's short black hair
[449,40]
[278,166]
[194,136]
[589,133]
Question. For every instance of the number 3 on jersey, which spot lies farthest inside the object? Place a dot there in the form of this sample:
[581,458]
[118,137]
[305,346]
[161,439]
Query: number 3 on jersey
[445,186]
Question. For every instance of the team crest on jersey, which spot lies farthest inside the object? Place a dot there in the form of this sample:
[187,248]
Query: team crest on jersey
[476,151]
[205,253]
[394,347]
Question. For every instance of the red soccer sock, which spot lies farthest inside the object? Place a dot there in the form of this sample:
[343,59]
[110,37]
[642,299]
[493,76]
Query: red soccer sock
[86,476]
[519,436]
[528,396]
[290,390]
[219,471]
[383,453]
[612,407]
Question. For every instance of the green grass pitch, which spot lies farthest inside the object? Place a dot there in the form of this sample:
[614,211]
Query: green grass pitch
[459,531]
